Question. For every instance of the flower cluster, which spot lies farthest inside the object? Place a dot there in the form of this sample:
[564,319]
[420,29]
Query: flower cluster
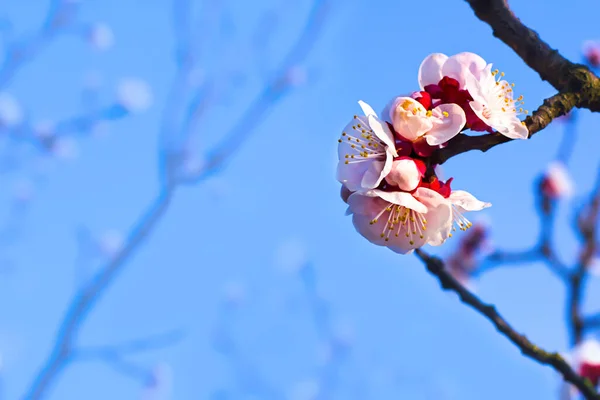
[393,194]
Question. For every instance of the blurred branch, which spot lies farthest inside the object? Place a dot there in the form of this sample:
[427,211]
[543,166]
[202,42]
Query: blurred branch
[90,294]
[135,346]
[60,14]
[273,91]
[558,105]
[436,267]
[586,222]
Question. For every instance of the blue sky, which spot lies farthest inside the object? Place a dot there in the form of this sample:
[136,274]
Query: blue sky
[275,206]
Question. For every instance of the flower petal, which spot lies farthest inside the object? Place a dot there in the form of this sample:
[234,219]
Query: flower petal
[375,173]
[446,127]
[430,71]
[405,174]
[402,199]
[383,132]
[515,130]
[367,109]
[467,201]
[460,64]
[439,215]
[409,118]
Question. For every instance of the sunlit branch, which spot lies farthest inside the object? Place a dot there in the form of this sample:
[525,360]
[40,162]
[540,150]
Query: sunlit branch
[436,267]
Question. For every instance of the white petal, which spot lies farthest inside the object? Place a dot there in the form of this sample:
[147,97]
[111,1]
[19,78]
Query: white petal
[476,88]
[478,108]
[372,232]
[367,110]
[430,71]
[402,199]
[375,174]
[439,216]
[404,174]
[467,201]
[383,132]
[409,118]
[365,203]
[515,129]
[459,64]
[587,351]
[445,128]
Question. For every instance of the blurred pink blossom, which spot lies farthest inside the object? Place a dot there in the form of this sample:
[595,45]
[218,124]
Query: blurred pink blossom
[101,36]
[134,94]
[556,182]
[159,386]
[65,148]
[11,113]
[110,243]
[591,52]
[296,76]
[473,244]
[585,360]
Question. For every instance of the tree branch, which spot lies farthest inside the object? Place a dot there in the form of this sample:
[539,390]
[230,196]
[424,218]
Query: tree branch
[556,106]
[576,83]
[552,67]
[436,267]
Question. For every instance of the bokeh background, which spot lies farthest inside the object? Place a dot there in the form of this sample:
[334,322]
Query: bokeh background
[217,121]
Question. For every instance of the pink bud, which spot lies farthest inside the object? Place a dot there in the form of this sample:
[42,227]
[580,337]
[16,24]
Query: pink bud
[405,174]
[591,52]
[556,182]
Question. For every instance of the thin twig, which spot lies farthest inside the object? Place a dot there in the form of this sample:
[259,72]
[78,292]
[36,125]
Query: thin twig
[436,267]
[90,294]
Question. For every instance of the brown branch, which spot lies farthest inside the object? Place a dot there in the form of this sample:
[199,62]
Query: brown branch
[577,85]
[556,106]
[561,73]
[436,267]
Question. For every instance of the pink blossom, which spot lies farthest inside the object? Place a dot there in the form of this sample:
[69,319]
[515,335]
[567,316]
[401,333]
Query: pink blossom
[406,173]
[11,113]
[591,52]
[365,151]
[134,94]
[101,36]
[467,80]
[400,220]
[159,386]
[412,121]
[463,262]
[556,182]
[585,360]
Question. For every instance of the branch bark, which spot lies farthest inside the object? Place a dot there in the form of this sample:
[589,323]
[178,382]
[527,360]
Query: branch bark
[577,85]
[436,267]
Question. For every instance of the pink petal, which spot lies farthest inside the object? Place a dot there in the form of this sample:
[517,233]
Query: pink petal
[375,173]
[439,216]
[383,132]
[408,124]
[367,109]
[460,64]
[430,71]
[516,130]
[467,201]
[405,174]
[402,199]
[445,128]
